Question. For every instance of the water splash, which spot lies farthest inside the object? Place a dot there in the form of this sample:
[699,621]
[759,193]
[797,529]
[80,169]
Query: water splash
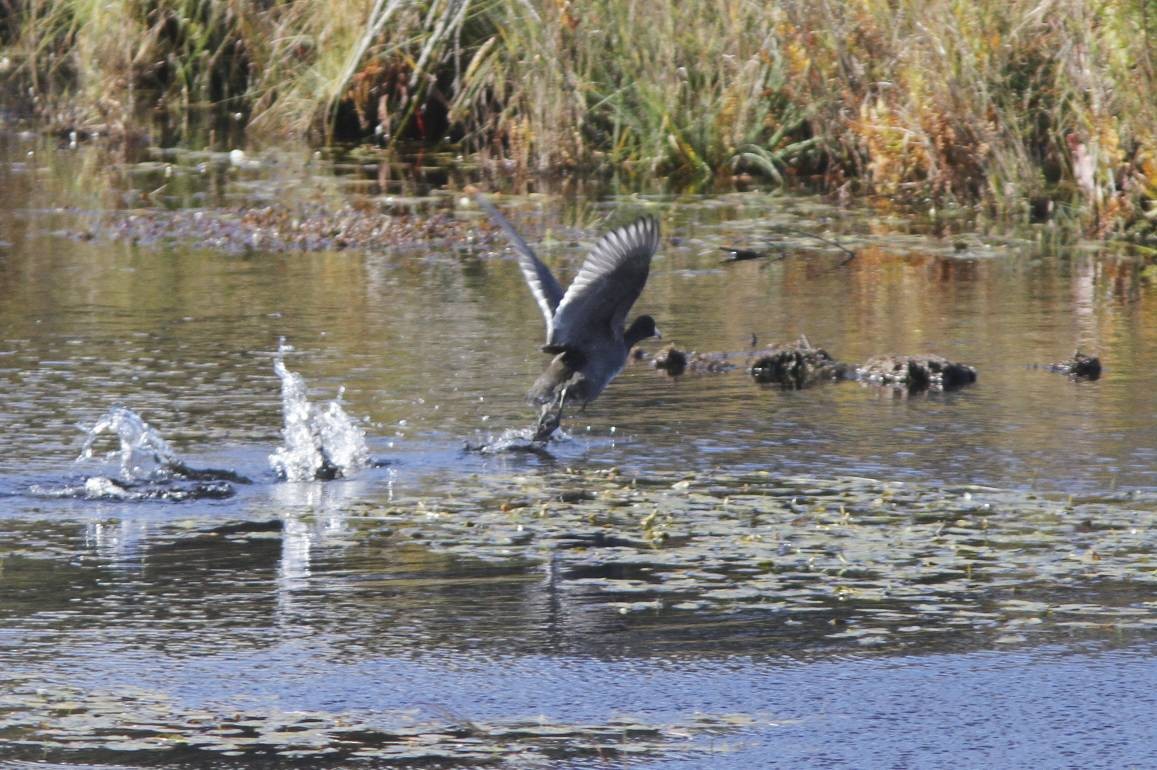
[149,469]
[320,442]
[143,452]
[519,440]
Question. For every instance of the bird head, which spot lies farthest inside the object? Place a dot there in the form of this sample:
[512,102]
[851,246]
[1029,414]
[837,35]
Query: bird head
[640,329]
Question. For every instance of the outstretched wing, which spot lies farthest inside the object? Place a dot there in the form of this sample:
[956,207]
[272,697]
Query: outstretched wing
[546,289]
[611,279]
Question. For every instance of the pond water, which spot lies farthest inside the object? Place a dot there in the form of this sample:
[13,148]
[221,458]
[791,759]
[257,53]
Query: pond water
[704,572]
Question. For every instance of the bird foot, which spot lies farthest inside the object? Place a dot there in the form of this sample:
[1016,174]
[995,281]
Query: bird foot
[548,422]
[550,418]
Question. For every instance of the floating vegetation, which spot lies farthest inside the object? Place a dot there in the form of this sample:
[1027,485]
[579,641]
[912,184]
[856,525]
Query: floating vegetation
[320,443]
[703,564]
[141,726]
[280,228]
[912,562]
[801,365]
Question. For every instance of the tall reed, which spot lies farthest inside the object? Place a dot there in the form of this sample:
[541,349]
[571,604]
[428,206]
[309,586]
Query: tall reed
[1034,106]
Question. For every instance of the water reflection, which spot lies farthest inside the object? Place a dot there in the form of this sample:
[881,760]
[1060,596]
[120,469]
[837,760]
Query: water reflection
[439,347]
[118,543]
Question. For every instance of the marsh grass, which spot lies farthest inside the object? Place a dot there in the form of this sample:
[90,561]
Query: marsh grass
[1036,108]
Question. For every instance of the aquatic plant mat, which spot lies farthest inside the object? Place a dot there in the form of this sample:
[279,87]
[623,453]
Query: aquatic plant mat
[824,561]
[670,565]
[278,228]
[148,728]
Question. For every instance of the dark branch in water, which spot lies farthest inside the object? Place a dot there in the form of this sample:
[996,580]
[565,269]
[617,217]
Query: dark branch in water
[850,254]
[742,255]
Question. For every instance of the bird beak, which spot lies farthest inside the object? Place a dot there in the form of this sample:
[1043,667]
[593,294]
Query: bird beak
[658,335]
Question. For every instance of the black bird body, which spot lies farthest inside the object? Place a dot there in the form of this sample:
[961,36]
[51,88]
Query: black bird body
[584,369]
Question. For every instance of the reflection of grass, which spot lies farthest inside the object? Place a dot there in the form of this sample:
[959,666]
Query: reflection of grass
[1034,108]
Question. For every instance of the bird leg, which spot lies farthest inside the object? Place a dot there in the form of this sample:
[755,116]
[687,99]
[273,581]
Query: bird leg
[548,422]
[550,418]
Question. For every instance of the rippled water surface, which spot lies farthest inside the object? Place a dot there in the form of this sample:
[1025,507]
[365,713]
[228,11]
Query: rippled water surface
[706,572]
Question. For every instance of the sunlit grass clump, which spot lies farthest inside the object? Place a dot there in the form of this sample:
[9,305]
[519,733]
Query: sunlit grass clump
[1042,109]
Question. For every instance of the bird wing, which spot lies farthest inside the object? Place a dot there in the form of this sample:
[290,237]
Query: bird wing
[608,283]
[546,289]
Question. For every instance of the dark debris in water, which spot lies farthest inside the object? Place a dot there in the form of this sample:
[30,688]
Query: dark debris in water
[247,528]
[676,362]
[172,481]
[172,490]
[177,469]
[1079,367]
[738,254]
[916,373]
[795,365]
[800,365]
[671,360]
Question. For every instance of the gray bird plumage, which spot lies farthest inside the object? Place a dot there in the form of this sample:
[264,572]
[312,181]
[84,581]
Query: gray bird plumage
[586,325]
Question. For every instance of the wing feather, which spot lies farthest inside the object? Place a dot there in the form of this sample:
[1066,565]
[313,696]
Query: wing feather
[608,283]
[543,285]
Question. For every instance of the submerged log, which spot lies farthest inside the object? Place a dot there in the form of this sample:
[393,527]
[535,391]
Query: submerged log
[928,372]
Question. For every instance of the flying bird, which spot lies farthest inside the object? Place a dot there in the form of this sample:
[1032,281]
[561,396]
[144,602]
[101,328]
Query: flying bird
[586,331]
